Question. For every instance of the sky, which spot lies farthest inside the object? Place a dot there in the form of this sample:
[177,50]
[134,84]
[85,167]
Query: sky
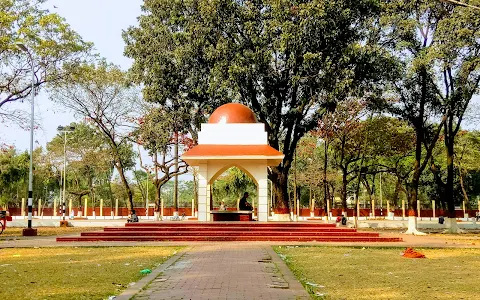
[100,22]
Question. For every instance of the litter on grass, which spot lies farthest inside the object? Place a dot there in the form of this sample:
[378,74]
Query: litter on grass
[410,253]
[315,284]
[146,271]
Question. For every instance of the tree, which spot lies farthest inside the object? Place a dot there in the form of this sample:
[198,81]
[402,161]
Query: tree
[101,96]
[89,159]
[54,47]
[390,145]
[231,185]
[458,54]
[157,134]
[289,63]
[408,28]
[13,172]
[467,158]
[343,130]
[437,42]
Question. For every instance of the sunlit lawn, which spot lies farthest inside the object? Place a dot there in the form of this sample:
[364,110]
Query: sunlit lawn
[382,273]
[74,273]
[46,231]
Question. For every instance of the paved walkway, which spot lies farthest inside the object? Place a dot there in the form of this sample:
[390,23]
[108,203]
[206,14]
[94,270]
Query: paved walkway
[226,271]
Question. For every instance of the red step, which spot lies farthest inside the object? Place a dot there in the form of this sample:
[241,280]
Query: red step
[229,231]
[227,238]
[225,233]
[229,224]
[223,228]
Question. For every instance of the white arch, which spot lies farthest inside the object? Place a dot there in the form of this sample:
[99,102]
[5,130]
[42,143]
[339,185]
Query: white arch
[223,169]
[211,169]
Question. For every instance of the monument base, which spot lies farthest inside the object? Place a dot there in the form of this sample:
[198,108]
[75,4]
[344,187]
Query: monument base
[281,217]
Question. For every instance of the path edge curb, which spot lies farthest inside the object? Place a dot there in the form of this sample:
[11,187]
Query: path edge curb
[294,285]
[131,291]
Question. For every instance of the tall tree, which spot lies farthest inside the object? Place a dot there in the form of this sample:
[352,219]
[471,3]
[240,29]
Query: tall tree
[289,62]
[101,96]
[343,130]
[438,42]
[408,28]
[88,155]
[157,134]
[458,52]
[55,50]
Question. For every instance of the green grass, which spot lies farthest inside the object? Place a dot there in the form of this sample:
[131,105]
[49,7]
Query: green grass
[46,231]
[382,273]
[74,273]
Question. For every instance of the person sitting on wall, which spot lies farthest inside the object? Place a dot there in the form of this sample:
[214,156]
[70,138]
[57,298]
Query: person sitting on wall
[244,205]
[133,217]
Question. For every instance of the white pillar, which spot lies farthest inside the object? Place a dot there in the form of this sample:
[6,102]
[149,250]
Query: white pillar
[208,208]
[23,207]
[373,208]
[39,208]
[433,207]
[203,200]
[85,207]
[263,197]
[328,209]
[101,207]
[403,209]
[70,205]
[298,209]
[193,207]
[116,207]
[54,207]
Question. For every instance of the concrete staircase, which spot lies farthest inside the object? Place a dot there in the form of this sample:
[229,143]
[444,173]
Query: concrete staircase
[229,231]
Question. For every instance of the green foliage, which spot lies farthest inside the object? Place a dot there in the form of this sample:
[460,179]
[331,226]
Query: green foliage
[101,95]
[288,62]
[13,171]
[231,185]
[55,48]
[89,159]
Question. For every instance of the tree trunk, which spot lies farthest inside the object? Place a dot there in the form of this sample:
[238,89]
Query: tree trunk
[452,226]
[464,191]
[412,189]
[344,189]
[175,186]
[325,165]
[396,193]
[195,191]
[120,171]
[449,186]
[158,200]
[280,183]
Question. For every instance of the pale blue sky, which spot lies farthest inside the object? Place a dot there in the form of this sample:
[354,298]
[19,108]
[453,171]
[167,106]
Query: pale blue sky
[100,22]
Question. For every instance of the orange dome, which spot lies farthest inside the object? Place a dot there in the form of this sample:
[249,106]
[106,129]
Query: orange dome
[233,113]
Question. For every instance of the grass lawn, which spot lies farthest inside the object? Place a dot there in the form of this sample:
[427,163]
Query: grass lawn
[76,272]
[382,273]
[46,231]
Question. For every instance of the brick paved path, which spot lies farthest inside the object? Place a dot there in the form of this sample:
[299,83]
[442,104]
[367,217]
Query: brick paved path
[226,271]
